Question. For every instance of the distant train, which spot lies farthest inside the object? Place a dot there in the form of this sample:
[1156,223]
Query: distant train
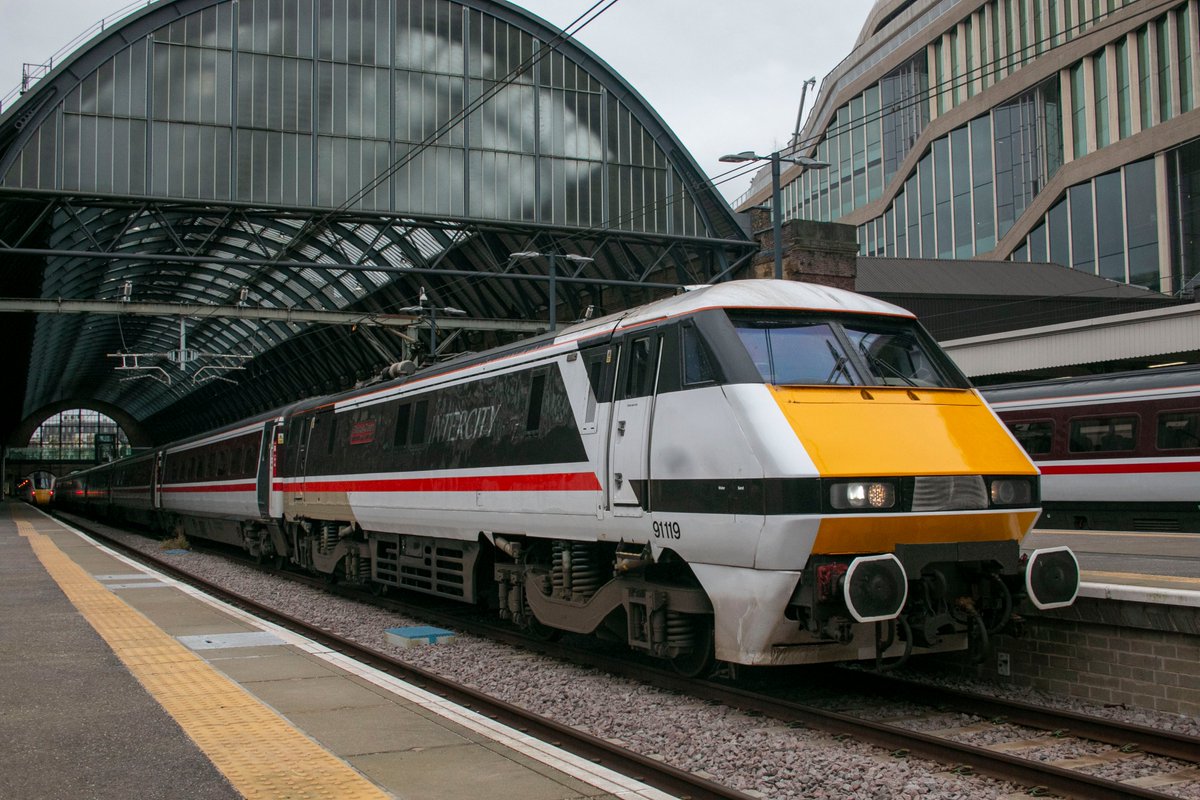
[36,488]
[763,472]
[1116,452]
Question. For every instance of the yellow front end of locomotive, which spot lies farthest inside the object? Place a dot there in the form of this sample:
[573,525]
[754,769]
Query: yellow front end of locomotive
[898,432]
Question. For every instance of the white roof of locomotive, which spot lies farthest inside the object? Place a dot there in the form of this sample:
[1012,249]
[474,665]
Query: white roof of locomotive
[762,293]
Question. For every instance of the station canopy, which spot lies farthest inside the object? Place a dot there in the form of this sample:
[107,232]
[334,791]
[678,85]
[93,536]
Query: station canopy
[214,208]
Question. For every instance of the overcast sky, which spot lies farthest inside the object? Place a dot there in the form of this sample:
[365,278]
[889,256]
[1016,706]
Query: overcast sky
[724,74]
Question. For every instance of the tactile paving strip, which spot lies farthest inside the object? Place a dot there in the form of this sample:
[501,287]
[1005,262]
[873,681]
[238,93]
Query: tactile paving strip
[260,753]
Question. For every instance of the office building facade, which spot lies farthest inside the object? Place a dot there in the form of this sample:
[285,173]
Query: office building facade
[1030,130]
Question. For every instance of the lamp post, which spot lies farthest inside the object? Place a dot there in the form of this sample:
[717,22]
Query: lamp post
[553,287]
[776,211]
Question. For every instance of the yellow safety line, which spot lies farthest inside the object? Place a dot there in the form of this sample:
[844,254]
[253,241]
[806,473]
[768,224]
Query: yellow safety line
[260,753]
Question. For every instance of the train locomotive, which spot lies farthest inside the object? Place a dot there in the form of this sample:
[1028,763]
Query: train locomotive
[1118,451]
[36,488]
[758,472]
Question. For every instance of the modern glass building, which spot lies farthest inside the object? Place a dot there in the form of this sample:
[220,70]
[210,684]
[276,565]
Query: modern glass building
[1039,130]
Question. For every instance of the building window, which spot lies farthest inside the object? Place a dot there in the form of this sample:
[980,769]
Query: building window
[1100,81]
[1110,227]
[1083,248]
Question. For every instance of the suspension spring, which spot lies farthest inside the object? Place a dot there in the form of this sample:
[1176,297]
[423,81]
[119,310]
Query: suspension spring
[681,630]
[558,578]
[585,571]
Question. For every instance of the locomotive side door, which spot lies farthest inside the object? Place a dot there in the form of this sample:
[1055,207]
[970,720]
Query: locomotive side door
[629,432]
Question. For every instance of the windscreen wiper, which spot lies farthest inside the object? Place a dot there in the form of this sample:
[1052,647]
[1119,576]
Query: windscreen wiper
[876,361]
[839,364]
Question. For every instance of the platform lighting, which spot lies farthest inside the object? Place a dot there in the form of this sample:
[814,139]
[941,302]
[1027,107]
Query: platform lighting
[526,255]
[776,208]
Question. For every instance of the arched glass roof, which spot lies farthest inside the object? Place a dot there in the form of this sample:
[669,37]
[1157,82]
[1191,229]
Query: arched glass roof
[334,155]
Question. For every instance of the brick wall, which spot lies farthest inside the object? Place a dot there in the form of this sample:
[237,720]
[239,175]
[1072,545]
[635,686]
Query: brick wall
[814,252]
[1139,655]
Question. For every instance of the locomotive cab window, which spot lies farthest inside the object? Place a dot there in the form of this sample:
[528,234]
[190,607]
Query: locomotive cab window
[1103,434]
[697,361]
[1178,430]
[792,349]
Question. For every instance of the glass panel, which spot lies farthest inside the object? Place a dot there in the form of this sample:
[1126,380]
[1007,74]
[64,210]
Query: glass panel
[1058,234]
[1079,110]
[925,176]
[1124,90]
[1187,46]
[1036,437]
[1165,109]
[1083,250]
[1100,80]
[1141,203]
[1110,227]
[942,198]
[1183,189]
[1178,430]
[1145,83]
[1103,434]
[981,172]
[960,161]
[1037,243]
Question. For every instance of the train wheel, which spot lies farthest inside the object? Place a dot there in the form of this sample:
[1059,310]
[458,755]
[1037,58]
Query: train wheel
[543,633]
[699,660]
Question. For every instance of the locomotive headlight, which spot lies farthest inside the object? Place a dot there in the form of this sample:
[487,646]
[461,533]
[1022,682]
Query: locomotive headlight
[1006,492]
[867,495]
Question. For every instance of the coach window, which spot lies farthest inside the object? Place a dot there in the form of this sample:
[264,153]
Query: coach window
[1103,434]
[1178,430]
[1036,436]
[222,460]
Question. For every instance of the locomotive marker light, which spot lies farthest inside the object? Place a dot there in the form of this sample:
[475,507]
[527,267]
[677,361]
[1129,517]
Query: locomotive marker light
[1052,577]
[875,588]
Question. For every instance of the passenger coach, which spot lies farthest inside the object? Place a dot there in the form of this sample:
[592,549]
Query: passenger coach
[1118,451]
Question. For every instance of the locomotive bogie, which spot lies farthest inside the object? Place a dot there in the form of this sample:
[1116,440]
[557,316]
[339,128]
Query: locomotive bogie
[739,472]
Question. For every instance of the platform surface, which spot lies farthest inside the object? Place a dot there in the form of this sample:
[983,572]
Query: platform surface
[122,683]
[1154,565]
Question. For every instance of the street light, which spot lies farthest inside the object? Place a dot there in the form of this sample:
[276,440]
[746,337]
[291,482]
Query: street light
[426,310]
[776,211]
[553,288]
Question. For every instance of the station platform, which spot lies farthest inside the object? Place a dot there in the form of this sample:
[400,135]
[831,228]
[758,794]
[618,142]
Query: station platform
[121,682]
[1136,566]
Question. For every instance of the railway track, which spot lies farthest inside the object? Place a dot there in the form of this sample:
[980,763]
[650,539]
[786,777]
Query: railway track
[1032,728]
